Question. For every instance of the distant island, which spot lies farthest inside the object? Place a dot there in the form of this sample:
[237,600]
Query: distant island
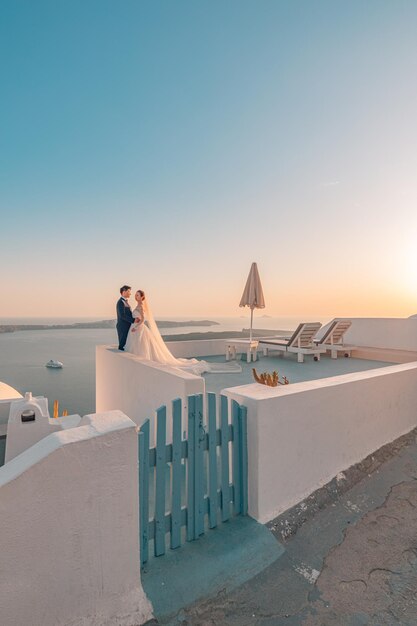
[11,328]
[165,324]
[229,334]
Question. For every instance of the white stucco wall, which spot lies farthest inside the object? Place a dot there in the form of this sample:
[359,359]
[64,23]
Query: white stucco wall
[302,435]
[69,540]
[22,435]
[388,333]
[383,333]
[393,339]
[197,347]
[138,387]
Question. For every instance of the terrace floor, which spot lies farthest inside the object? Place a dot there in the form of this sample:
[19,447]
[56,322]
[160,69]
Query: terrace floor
[289,367]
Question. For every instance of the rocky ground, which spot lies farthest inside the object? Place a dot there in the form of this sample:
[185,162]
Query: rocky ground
[350,558]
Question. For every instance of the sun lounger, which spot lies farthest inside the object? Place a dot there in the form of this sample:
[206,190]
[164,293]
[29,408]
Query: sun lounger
[333,338]
[301,342]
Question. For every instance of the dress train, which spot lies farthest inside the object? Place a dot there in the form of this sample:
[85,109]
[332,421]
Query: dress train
[146,342]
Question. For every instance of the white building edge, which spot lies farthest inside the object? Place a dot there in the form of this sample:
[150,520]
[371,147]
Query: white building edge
[69,516]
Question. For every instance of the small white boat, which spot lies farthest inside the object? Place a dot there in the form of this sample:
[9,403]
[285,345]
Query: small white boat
[54,364]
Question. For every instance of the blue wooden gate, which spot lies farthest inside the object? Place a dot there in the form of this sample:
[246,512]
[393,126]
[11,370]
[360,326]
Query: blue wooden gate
[187,484]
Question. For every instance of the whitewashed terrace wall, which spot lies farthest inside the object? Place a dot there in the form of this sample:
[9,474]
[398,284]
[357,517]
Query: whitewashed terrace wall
[23,435]
[393,340]
[139,387]
[197,347]
[302,435]
[69,540]
[384,333]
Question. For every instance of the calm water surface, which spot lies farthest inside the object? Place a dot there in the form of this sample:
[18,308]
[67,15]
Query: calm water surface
[22,365]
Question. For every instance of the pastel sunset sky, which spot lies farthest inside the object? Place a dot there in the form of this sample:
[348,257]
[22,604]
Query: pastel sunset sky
[168,144]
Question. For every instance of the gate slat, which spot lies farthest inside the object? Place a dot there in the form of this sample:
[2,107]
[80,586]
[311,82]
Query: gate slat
[191,468]
[159,542]
[141,450]
[225,459]
[237,505]
[176,474]
[212,459]
[144,490]
[243,459]
[199,440]
[204,495]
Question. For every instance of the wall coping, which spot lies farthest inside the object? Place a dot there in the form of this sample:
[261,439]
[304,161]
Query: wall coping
[256,391]
[170,369]
[91,426]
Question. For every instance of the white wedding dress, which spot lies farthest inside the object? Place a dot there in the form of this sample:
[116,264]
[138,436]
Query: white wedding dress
[145,341]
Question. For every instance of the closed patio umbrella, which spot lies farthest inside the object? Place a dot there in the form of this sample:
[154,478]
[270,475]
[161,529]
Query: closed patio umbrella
[253,296]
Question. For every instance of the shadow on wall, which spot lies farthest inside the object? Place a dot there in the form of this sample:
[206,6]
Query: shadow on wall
[2,449]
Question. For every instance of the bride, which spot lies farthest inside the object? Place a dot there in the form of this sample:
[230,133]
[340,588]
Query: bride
[145,341]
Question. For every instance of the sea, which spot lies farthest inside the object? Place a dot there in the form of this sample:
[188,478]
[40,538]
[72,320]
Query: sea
[23,355]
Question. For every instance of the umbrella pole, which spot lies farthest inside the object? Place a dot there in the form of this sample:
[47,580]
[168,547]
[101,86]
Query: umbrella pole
[251,323]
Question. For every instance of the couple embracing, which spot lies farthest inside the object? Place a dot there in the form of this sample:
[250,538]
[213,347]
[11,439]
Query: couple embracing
[135,336]
[145,341]
[125,317]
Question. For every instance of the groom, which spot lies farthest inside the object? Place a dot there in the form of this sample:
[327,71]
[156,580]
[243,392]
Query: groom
[124,315]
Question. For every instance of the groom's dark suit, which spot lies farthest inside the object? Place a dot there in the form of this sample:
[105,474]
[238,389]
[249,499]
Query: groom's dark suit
[124,321]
